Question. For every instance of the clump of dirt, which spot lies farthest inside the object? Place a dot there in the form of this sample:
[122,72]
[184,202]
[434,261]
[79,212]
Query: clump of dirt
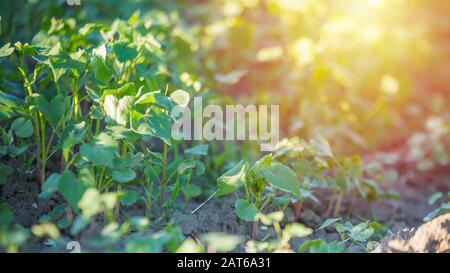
[431,237]
[217,215]
[21,195]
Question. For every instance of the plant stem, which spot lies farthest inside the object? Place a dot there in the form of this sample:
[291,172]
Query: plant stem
[163,179]
[75,98]
[119,187]
[43,150]
[338,204]
[97,126]
[331,203]
[36,120]
[255,230]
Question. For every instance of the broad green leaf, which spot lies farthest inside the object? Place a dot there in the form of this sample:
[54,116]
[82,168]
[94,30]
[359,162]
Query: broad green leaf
[270,218]
[118,110]
[191,191]
[101,151]
[308,244]
[246,211]
[72,135]
[87,178]
[201,149]
[71,188]
[296,230]
[22,127]
[50,186]
[155,123]
[180,97]
[123,176]
[140,223]
[261,164]
[233,179]
[361,232]
[93,202]
[146,98]
[124,52]
[283,178]
[220,242]
[61,62]
[148,243]
[324,247]
[48,229]
[6,50]
[101,71]
[128,197]
[190,246]
[434,198]
[444,208]
[328,223]
[128,89]
[53,110]
[190,165]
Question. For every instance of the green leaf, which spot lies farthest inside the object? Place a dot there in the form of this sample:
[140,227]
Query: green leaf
[190,246]
[434,198]
[118,110]
[444,208]
[283,178]
[180,97]
[87,178]
[101,71]
[246,211]
[190,165]
[361,232]
[61,62]
[101,151]
[221,242]
[156,123]
[6,50]
[328,223]
[5,171]
[324,247]
[146,98]
[341,228]
[53,110]
[71,188]
[233,179]
[22,127]
[123,176]
[201,149]
[309,244]
[270,218]
[191,191]
[148,243]
[128,197]
[124,52]
[72,135]
[50,186]
[93,202]
[296,230]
